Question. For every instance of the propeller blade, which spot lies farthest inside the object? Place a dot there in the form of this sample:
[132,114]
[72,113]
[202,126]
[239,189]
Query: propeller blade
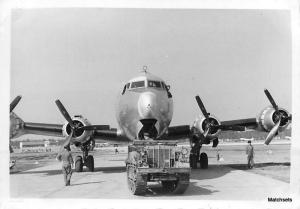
[201,106]
[207,131]
[271,99]
[94,127]
[14,103]
[272,133]
[68,139]
[64,112]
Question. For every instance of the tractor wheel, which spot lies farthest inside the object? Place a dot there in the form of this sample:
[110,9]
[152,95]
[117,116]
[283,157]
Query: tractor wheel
[78,164]
[203,160]
[136,183]
[89,163]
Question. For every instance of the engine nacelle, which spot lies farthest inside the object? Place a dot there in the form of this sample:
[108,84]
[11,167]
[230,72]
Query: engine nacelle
[268,118]
[16,128]
[79,136]
[201,123]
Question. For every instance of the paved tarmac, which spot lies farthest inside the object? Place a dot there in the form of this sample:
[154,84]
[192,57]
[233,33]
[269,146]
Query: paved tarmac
[221,181]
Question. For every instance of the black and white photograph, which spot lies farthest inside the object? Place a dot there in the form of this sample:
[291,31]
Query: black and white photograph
[151,103]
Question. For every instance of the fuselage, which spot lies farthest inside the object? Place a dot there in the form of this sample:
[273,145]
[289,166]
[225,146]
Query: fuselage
[144,108]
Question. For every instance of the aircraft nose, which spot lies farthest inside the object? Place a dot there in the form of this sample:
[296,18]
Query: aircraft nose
[146,105]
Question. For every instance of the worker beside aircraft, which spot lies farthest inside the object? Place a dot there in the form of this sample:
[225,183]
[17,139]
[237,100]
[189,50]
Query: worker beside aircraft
[66,158]
[250,155]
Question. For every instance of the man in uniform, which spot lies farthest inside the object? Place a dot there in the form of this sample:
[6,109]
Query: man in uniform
[250,155]
[195,153]
[67,163]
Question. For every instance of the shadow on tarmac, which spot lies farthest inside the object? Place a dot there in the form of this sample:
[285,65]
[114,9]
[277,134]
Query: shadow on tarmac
[258,165]
[212,172]
[115,169]
[192,190]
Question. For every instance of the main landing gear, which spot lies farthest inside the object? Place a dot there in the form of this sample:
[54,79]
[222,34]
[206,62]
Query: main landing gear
[195,156]
[84,160]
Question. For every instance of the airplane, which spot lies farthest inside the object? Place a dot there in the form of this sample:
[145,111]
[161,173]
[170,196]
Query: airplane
[144,111]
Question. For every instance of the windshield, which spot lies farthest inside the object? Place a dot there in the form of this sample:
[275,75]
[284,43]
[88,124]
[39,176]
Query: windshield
[155,84]
[138,84]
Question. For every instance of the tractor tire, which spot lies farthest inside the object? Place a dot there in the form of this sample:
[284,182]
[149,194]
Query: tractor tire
[136,182]
[78,164]
[89,163]
[203,160]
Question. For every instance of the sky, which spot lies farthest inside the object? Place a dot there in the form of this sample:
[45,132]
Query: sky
[84,57]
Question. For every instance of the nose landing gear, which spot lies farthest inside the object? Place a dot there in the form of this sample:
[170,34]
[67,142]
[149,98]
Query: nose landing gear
[84,160]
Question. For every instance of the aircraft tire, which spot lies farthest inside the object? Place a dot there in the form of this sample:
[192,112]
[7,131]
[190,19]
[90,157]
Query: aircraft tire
[136,182]
[89,162]
[203,161]
[78,164]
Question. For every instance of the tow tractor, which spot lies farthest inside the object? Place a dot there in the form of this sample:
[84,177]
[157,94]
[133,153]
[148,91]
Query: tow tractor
[158,161]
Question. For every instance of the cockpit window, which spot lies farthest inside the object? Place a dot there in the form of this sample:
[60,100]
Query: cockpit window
[155,84]
[167,88]
[125,87]
[138,84]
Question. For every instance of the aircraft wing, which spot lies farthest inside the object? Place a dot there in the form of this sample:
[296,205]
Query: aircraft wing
[178,132]
[250,123]
[44,129]
[18,127]
[77,130]
[110,135]
[184,131]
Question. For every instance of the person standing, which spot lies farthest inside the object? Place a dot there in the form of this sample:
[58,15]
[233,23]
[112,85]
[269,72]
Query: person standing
[250,155]
[67,163]
[218,155]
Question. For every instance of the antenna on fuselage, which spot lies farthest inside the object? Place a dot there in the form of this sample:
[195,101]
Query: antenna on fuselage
[144,70]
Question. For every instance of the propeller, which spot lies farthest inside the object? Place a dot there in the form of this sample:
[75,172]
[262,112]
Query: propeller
[210,125]
[14,103]
[279,117]
[74,127]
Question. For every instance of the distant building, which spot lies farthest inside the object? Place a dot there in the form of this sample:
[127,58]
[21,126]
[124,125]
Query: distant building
[101,144]
[35,146]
